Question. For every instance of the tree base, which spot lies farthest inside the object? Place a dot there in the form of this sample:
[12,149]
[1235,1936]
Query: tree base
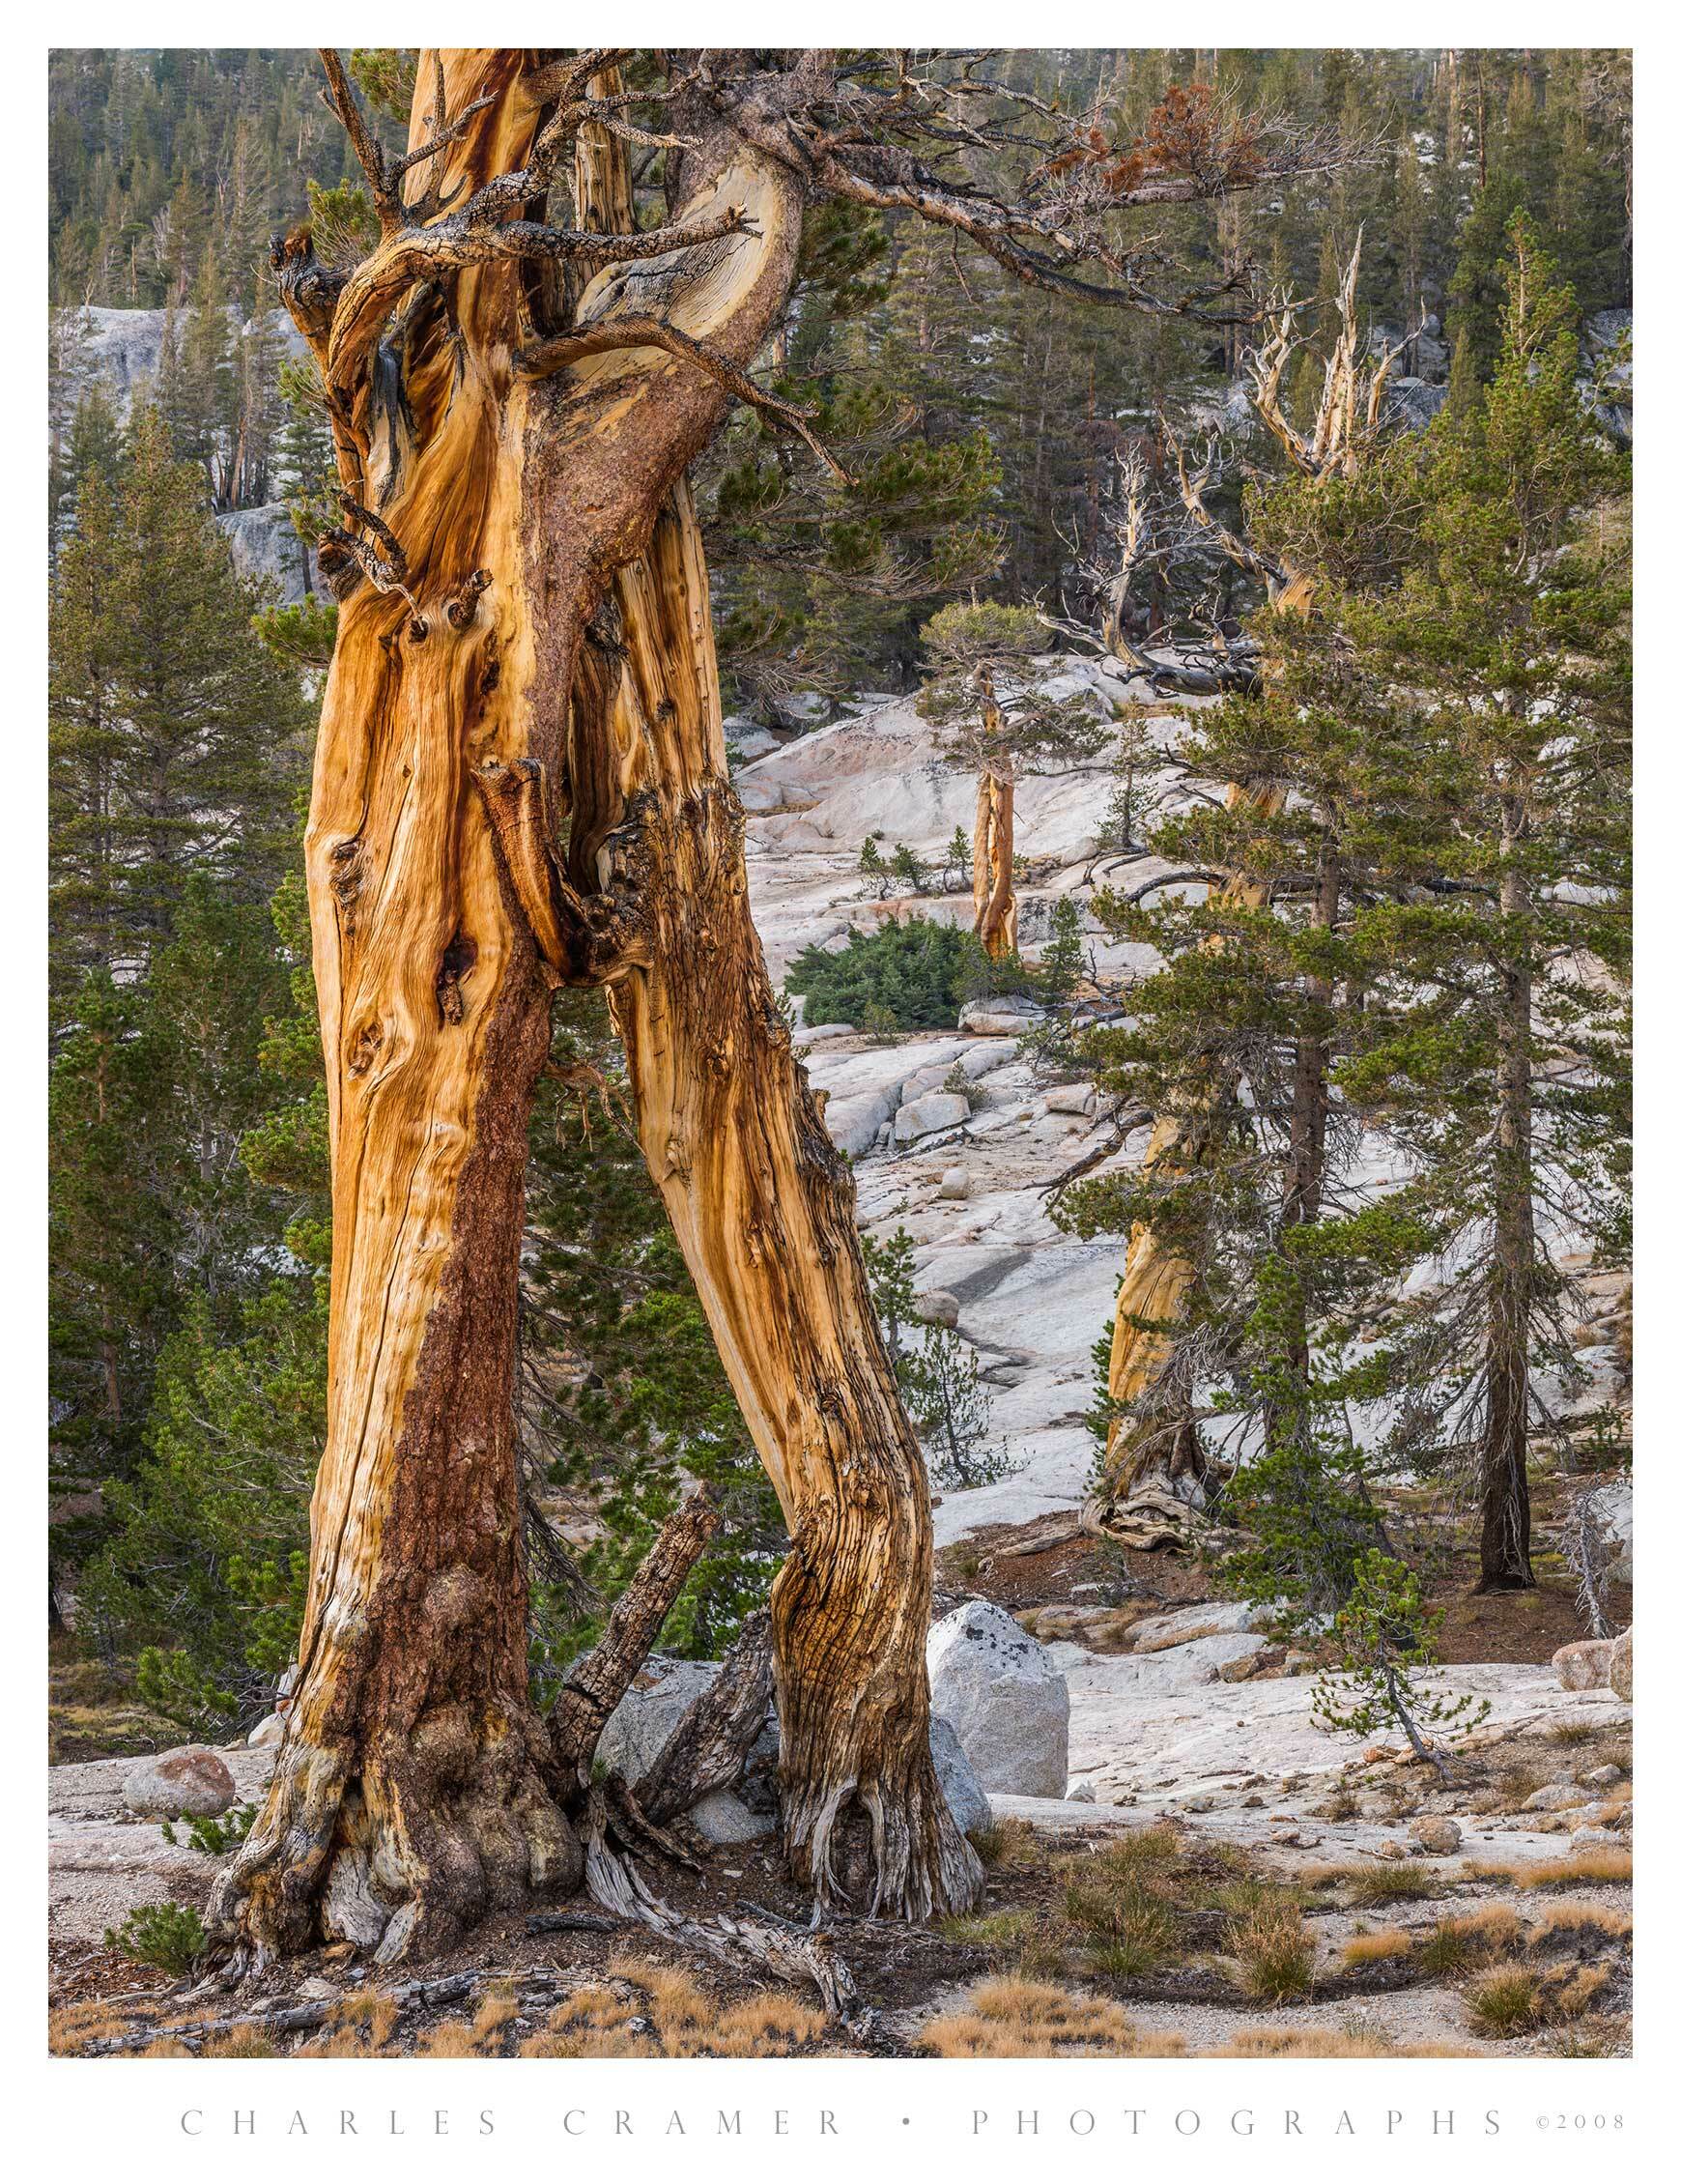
[1504,1581]
[400,1852]
[891,1834]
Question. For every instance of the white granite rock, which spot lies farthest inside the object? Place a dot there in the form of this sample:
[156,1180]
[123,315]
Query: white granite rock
[1008,1707]
[721,1817]
[1208,1618]
[637,1729]
[933,1110]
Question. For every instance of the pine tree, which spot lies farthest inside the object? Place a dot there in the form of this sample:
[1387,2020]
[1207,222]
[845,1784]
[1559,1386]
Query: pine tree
[1496,1037]
[174,741]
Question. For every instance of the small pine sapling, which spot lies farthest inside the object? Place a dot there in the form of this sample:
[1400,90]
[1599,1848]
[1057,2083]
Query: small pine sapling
[907,866]
[1383,1635]
[874,868]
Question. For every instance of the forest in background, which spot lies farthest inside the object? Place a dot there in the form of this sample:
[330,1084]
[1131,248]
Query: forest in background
[981,426]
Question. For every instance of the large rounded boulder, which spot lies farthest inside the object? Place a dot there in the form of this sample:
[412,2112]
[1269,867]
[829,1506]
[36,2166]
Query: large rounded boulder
[1007,1705]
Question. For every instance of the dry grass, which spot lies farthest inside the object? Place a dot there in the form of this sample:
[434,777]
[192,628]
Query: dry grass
[75,2027]
[1274,1953]
[1476,1938]
[1381,1947]
[1026,2018]
[1570,1992]
[360,2025]
[1311,2041]
[1009,1846]
[1505,2006]
[1573,1733]
[1370,1886]
[453,2039]
[1586,1869]
[599,2022]
[673,2015]
[246,2043]
[1574,1923]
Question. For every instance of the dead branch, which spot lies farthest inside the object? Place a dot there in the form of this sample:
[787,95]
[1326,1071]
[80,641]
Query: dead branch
[601,1680]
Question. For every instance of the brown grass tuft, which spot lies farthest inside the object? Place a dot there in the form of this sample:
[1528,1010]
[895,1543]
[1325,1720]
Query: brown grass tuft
[359,2025]
[1586,1869]
[75,2027]
[1378,1948]
[1023,2018]
[1008,1846]
[1570,1924]
[1475,1938]
[1274,1951]
[1312,2040]
[1505,2006]
[453,2039]
[246,2043]
[1368,1886]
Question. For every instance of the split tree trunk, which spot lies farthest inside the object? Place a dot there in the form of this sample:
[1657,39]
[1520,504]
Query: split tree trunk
[995,866]
[994,841]
[549,659]
[762,1206]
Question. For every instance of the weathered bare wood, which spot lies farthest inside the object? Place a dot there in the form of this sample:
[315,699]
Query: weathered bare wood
[709,1746]
[641,330]
[601,1680]
[792,1953]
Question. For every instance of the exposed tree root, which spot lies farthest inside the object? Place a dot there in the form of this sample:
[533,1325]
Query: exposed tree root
[785,1952]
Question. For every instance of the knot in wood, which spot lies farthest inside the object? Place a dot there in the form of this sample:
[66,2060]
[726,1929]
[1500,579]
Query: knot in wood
[461,609]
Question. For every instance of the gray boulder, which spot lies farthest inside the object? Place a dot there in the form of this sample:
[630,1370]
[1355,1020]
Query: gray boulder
[188,1783]
[938,1307]
[1208,1618]
[1612,1509]
[1007,1705]
[721,1817]
[954,1183]
[1412,403]
[745,740]
[637,1729]
[957,1778]
[1004,1019]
